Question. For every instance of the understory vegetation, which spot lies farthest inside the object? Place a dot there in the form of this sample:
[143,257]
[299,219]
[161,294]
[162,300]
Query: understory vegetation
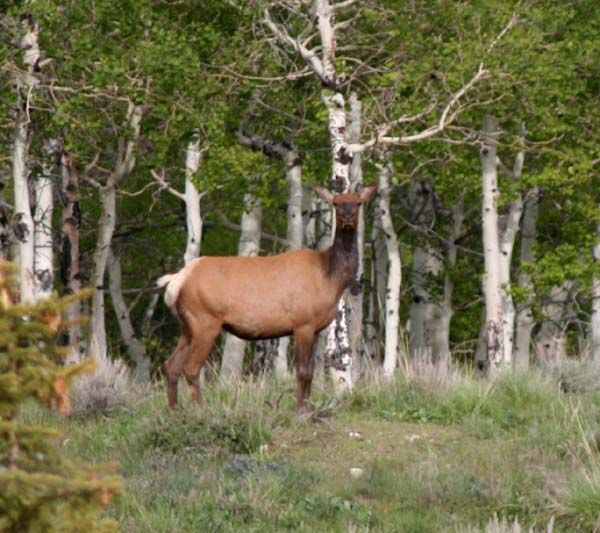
[417,454]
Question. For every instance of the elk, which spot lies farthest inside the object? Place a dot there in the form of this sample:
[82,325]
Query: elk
[295,292]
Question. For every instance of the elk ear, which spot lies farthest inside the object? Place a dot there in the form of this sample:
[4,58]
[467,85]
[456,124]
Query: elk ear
[367,192]
[322,192]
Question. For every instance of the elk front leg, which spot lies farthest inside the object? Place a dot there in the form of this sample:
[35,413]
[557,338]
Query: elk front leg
[304,344]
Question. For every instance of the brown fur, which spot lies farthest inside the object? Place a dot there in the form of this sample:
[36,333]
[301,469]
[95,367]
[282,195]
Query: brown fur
[295,292]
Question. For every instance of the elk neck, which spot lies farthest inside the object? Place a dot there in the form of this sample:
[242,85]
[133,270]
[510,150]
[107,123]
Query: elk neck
[342,256]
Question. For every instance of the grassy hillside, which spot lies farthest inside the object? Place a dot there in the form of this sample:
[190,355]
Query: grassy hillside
[427,454]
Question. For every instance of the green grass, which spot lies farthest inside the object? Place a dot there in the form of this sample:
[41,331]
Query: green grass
[432,461]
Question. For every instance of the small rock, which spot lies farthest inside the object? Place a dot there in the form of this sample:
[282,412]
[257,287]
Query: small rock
[357,472]
[355,435]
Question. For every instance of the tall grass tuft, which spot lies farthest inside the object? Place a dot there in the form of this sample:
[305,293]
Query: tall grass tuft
[503,525]
[582,499]
[437,376]
[234,418]
[528,401]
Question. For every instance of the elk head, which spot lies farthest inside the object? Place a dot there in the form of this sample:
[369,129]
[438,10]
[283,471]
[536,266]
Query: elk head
[347,205]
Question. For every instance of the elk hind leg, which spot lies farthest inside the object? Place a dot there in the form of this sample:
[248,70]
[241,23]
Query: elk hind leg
[199,348]
[173,368]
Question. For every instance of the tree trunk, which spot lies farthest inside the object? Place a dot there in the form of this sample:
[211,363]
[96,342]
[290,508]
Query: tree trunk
[426,263]
[249,245]
[525,321]
[551,341]
[106,226]
[595,320]
[376,316]
[494,330]
[337,351]
[4,229]
[508,227]
[69,252]
[135,348]
[442,313]
[192,202]
[23,227]
[42,219]
[394,276]
[354,298]
[265,355]
[97,345]
[311,207]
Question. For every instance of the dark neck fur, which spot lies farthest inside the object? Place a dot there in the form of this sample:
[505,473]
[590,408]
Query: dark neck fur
[343,256]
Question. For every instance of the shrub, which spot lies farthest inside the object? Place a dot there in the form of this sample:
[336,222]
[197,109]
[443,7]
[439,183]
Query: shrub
[575,375]
[103,390]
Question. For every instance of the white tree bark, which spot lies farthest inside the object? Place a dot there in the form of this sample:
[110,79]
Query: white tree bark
[135,348]
[525,321]
[43,263]
[42,219]
[23,227]
[508,227]
[494,326]
[69,251]
[595,320]
[394,276]
[97,345]
[192,198]
[249,245]
[337,351]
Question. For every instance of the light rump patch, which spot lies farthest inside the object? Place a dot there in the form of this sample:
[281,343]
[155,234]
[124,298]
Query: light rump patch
[175,281]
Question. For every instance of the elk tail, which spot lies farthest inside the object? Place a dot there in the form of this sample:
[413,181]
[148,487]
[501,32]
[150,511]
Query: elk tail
[164,280]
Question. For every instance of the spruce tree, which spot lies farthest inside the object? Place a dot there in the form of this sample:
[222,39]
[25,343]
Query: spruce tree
[40,489]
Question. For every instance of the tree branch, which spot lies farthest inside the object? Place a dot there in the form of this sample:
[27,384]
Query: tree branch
[308,55]
[344,4]
[164,185]
[260,144]
[446,119]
